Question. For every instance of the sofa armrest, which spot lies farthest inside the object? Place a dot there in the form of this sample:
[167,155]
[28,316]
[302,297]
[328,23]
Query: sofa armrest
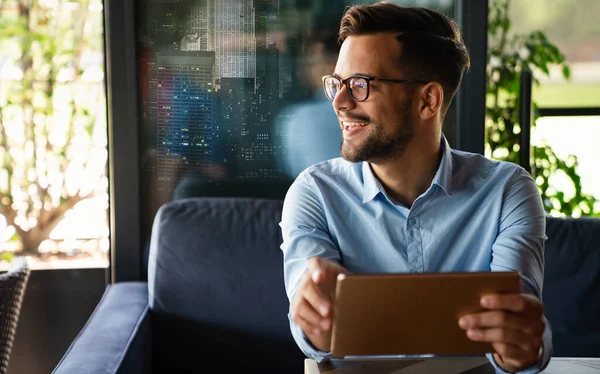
[117,337]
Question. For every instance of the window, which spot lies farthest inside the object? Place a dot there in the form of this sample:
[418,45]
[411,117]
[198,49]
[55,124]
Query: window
[560,47]
[231,95]
[53,183]
[578,144]
[573,28]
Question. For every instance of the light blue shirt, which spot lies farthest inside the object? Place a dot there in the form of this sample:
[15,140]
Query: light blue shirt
[477,215]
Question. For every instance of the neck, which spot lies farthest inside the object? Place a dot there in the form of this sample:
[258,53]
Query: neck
[408,176]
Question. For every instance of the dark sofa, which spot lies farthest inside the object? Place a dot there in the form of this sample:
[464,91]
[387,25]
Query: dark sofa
[571,291]
[215,300]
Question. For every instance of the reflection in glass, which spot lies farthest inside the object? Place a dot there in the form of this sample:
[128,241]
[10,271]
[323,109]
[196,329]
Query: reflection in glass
[231,95]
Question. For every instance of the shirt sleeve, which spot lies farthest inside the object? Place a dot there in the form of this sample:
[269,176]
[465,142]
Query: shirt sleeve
[305,234]
[519,246]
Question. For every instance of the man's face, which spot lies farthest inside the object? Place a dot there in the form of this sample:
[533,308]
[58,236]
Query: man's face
[382,126]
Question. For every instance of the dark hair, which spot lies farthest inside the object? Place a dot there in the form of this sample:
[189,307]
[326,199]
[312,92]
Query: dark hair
[432,48]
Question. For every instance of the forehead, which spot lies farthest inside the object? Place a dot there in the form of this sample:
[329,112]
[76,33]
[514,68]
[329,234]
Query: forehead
[375,54]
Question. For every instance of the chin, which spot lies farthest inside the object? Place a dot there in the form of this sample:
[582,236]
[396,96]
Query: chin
[351,154]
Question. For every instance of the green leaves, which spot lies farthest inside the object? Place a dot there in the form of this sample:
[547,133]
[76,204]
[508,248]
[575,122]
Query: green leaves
[50,111]
[566,70]
[7,256]
[507,58]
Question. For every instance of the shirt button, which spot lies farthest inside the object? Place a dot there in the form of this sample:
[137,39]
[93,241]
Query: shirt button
[412,221]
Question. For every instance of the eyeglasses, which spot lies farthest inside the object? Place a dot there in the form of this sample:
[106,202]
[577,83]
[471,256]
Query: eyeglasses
[357,85]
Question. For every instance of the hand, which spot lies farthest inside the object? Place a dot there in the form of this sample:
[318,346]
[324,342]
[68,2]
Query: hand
[514,324]
[312,306]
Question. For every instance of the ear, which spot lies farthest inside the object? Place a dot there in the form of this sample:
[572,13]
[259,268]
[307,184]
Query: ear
[432,97]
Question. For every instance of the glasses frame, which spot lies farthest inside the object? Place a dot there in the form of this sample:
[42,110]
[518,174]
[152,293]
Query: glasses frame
[368,79]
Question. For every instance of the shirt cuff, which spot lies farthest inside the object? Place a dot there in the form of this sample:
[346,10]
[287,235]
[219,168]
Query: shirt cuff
[543,360]
[305,345]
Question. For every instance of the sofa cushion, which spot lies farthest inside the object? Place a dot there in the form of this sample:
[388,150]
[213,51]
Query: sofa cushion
[216,286]
[571,291]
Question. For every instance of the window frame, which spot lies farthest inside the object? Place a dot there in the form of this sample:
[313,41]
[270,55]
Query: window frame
[464,128]
[467,133]
[123,140]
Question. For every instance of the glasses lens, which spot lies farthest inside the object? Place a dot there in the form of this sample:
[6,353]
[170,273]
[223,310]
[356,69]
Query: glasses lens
[359,88]
[332,86]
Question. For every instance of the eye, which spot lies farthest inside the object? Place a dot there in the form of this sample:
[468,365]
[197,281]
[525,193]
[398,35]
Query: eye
[332,83]
[358,83]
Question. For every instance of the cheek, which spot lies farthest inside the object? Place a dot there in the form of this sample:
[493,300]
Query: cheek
[383,116]
[374,110]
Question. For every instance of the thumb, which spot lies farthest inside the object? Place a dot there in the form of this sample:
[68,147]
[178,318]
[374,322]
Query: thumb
[320,269]
[316,267]
[317,275]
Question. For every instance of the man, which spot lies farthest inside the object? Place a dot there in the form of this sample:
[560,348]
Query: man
[400,200]
[309,135]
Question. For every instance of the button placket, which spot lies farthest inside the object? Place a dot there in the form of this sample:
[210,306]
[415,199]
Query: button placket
[414,249]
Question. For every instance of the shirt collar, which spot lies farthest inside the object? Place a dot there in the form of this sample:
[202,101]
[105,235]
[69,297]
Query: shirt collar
[371,185]
[443,175]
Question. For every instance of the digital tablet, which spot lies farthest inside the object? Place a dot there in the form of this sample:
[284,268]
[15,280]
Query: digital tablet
[394,314]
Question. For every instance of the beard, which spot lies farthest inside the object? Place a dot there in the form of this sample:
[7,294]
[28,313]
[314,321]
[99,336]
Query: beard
[378,145]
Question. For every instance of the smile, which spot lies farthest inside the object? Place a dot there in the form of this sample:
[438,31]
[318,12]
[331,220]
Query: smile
[351,125]
[351,129]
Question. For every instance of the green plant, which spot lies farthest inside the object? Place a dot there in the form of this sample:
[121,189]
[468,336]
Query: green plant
[7,256]
[508,56]
[47,119]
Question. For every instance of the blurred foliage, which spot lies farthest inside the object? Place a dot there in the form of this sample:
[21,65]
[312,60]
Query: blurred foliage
[7,256]
[571,24]
[48,111]
[507,57]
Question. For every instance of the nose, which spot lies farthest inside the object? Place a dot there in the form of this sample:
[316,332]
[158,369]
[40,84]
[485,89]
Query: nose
[342,101]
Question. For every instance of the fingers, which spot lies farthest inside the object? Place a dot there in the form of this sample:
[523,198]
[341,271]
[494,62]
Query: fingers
[316,263]
[320,269]
[311,309]
[315,296]
[525,323]
[312,306]
[308,319]
[324,273]
[508,311]
[513,359]
[517,339]
[513,350]
[324,267]
[513,324]
[305,326]
[520,303]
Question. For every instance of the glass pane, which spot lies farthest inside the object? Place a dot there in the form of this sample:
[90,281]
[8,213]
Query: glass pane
[53,139]
[232,100]
[578,143]
[555,44]
[573,27]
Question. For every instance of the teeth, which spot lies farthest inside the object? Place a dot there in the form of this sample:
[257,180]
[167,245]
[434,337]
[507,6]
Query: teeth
[347,125]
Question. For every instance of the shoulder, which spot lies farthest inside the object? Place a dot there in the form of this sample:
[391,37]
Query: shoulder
[474,165]
[314,190]
[328,177]
[334,167]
